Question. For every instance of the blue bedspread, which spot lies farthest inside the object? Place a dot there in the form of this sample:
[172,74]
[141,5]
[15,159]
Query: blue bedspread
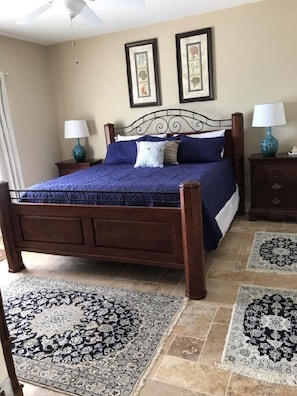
[125,185]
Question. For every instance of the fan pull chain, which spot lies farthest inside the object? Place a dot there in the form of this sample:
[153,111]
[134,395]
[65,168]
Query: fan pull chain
[73,41]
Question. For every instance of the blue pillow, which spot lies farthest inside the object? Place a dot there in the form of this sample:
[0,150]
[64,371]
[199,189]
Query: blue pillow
[151,138]
[121,153]
[200,150]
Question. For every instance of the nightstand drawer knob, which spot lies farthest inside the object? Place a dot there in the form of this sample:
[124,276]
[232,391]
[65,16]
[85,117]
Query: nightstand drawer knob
[276,186]
[276,201]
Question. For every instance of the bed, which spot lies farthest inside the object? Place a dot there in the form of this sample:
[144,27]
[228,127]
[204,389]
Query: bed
[131,222]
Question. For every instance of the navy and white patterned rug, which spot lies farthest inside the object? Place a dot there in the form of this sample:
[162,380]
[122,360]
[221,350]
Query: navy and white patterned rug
[262,338]
[84,339]
[273,252]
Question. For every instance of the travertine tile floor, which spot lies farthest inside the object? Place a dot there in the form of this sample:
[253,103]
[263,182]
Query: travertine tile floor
[186,365]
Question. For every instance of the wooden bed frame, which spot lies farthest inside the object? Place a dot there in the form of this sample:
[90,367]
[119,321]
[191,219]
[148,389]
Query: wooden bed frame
[153,236]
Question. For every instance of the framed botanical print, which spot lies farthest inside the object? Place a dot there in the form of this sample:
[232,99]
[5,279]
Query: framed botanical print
[143,73]
[195,65]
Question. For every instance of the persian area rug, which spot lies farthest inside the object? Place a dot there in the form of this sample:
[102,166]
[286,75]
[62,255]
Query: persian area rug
[262,338]
[273,252]
[84,339]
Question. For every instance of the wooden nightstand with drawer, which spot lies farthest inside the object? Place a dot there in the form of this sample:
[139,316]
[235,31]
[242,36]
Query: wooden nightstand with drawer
[273,187]
[70,166]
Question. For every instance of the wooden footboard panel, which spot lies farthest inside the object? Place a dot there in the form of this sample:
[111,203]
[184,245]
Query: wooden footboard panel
[142,235]
[167,237]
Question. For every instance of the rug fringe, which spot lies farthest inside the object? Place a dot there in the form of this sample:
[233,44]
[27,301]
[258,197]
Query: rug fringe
[156,355]
[271,271]
[272,378]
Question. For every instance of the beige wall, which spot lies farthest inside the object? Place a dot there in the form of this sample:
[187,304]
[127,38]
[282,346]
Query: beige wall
[31,106]
[255,61]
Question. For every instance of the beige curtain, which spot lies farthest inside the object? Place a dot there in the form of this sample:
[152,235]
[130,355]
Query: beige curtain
[10,169]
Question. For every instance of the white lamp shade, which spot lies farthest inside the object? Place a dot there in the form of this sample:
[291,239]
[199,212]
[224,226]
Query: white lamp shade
[76,129]
[269,114]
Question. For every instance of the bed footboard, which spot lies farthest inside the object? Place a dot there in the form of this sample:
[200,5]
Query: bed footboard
[166,237]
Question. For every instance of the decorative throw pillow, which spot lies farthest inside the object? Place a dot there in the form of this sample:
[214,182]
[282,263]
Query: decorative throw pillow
[150,154]
[170,153]
[121,153]
[200,150]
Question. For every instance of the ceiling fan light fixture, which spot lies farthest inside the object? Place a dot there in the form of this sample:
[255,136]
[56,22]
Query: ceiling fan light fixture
[74,7]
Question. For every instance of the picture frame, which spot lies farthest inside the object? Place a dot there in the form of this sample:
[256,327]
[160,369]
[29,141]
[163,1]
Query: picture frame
[143,73]
[195,65]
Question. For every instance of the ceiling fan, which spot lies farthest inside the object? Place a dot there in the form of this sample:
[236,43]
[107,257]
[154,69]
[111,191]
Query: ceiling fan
[73,9]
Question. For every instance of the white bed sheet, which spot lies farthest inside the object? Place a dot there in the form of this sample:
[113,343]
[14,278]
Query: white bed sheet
[226,214]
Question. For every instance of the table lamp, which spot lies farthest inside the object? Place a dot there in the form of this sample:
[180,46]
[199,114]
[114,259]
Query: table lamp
[77,129]
[269,115]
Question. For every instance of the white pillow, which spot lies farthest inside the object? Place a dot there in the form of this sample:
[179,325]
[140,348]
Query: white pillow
[123,138]
[211,134]
[150,154]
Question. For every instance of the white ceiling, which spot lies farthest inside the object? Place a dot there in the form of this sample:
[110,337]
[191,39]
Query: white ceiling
[117,15]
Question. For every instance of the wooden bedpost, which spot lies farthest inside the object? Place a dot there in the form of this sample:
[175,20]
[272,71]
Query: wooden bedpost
[13,255]
[109,133]
[193,242]
[238,155]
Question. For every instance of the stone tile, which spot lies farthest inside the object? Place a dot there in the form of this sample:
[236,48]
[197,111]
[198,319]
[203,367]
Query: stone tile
[223,316]
[142,273]
[157,388]
[195,320]
[186,347]
[32,390]
[288,281]
[171,277]
[193,376]
[153,287]
[224,269]
[240,385]
[221,292]
[290,227]
[228,253]
[214,345]
[179,290]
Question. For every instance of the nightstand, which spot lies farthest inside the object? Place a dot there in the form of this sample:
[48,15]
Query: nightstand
[70,166]
[273,187]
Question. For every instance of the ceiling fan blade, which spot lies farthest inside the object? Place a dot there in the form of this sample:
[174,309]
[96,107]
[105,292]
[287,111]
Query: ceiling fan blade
[34,14]
[90,16]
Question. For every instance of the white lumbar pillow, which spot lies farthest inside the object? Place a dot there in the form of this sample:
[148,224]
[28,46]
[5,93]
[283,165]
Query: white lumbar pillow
[150,154]
[204,135]
[123,138]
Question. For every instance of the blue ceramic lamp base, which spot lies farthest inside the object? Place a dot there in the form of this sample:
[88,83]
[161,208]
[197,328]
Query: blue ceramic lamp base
[269,144]
[79,152]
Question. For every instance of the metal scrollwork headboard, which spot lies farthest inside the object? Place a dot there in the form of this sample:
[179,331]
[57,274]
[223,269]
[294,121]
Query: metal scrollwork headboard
[171,121]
